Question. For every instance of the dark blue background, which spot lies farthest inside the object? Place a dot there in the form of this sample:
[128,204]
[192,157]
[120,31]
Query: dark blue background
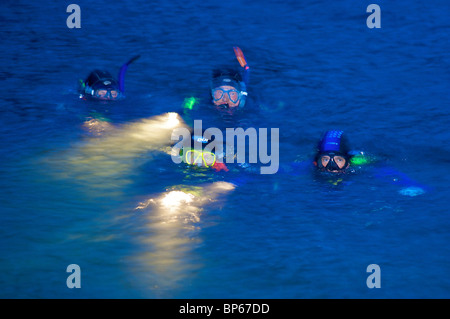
[315,66]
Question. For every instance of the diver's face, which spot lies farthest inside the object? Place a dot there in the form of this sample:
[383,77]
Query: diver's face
[105,94]
[226,95]
[200,158]
[340,162]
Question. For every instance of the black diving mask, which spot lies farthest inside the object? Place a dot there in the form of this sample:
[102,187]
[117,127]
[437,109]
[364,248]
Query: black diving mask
[332,162]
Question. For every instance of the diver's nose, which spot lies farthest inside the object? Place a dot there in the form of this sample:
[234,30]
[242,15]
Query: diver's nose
[226,100]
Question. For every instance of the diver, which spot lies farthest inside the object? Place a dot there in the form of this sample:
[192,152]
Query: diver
[227,95]
[334,160]
[101,85]
[333,154]
[201,154]
[229,86]
[196,154]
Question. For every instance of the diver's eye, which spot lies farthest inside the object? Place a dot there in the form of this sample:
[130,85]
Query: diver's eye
[325,160]
[209,158]
[339,159]
[114,94]
[234,95]
[217,94]
[102,93]
[193,157]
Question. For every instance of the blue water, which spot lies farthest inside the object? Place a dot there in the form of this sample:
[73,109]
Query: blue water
[69,197]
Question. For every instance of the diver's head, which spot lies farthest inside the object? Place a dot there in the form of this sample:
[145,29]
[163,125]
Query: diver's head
[332,153]
[227,89]
[101,85]
[195,153]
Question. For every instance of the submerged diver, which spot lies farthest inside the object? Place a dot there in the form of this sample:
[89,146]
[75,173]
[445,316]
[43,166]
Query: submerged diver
[101,85]
[334,158]
[204,154]
[227,90]
[229,86]
[333,154]
[196,154]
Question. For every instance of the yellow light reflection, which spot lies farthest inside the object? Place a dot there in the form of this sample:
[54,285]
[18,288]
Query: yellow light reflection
[105,163]
[173,231]
[175,199]
[97,127]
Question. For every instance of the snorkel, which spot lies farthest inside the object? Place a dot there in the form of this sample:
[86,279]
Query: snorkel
[243,62]
[100,85]
[122,72]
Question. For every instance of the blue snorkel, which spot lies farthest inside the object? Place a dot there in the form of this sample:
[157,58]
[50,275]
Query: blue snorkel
[122,72]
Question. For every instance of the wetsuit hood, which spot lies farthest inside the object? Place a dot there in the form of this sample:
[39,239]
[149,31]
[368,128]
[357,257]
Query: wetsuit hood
[101,79]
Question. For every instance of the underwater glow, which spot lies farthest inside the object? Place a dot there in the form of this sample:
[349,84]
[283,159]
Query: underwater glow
[172,220]
[103,163]
[189,103]
[359,160]
[411,191]
[172,120]
[175,199]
